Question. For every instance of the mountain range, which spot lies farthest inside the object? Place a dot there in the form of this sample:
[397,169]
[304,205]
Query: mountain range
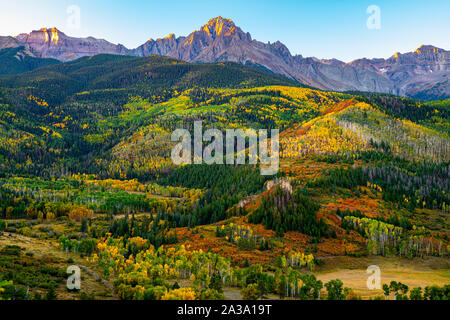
[420,74]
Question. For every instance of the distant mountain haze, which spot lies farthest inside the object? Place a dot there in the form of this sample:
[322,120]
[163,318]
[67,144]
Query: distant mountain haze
[421,74]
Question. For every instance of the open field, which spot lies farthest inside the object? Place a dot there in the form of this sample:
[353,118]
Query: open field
[55,257]
[415,272]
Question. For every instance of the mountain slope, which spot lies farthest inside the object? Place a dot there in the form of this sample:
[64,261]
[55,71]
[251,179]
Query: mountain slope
[424,71]
[115,72]
[19,60]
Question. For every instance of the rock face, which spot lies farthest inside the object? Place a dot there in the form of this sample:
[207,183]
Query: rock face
[284,184]
[423,73]
[52,43]
[221,40]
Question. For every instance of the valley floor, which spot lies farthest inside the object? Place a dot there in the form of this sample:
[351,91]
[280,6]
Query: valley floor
[48,253]
[417,272]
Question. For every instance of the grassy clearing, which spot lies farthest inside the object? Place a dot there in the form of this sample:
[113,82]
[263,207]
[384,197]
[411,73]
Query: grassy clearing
[412,272]
[49,251]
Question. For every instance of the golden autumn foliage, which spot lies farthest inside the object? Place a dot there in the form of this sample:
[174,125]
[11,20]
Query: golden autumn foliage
[38,101]
[180,294]
[138,241]
[321,137]
[80,213]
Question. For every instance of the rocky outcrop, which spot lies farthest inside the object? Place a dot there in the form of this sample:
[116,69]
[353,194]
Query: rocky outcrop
[284,184]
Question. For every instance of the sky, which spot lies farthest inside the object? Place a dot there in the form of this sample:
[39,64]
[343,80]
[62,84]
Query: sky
[321,28]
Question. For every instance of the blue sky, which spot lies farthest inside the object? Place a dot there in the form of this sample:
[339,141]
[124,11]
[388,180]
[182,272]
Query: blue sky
[325,29]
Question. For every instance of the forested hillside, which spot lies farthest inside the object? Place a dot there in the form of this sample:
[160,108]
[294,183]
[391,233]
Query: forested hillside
[86,174]
[18,60]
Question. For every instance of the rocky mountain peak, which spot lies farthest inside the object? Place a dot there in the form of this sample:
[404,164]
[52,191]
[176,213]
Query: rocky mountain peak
[219,27]
[169,37]
[281,48]
[422,52]
[427,49]
[50,36]
[52,43]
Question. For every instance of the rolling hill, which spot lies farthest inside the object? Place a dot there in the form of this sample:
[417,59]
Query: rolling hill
[118,72]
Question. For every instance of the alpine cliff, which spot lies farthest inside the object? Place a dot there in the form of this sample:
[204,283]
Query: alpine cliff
[52,43]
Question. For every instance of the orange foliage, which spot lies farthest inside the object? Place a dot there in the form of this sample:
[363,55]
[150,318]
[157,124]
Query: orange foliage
[80,213]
